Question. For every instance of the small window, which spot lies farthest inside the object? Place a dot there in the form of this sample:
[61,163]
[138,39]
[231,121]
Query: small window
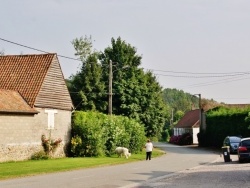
[51,118]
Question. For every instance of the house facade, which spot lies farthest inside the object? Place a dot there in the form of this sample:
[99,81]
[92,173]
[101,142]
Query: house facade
[34,101]
[189,123]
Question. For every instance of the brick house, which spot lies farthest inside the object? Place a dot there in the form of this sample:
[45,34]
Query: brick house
[34,100]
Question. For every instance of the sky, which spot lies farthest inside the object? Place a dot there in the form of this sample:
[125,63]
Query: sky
[198,46]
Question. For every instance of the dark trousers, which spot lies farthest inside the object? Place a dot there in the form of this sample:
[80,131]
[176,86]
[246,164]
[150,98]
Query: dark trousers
[148,155]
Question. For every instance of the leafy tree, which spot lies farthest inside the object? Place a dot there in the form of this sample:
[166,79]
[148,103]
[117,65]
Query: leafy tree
[178,115]
[86,87]
[136,94]
[83,47]
[181,102]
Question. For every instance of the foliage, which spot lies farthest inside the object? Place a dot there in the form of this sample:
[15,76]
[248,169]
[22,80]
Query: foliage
[136,94]
[180,102]
[86,88]
[83,47]
[50,145]
[88,134]
[184,139]
[97,134]
[40,155]
[222,122]
[247,119]
[167,134]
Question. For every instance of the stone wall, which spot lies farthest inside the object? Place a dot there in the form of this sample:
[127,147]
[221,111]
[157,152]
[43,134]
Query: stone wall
[20,135]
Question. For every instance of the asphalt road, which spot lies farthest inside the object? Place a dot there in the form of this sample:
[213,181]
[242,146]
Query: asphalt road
[216,174]
[135,174]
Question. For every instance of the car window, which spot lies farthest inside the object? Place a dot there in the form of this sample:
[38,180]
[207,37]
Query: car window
[235,139]
[246,143]
[226,141]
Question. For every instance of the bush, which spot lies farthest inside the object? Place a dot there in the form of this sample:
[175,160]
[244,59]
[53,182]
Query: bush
[97,134]
[41,155]
[174,139]
[50,145]
[87,132]
[222,122]
[166,135]
[184,139]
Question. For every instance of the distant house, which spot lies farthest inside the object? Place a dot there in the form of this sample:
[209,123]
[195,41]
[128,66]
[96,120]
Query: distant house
[34,100]
[189,123]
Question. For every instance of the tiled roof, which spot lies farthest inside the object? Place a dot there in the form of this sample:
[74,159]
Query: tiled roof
[238,105]
[12,102]
[190,119]
[24,73]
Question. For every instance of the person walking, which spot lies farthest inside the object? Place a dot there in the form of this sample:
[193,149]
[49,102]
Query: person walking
[149,148]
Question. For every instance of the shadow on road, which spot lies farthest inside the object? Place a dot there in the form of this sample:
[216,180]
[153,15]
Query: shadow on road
[208,177]
[192,149]
[216,174]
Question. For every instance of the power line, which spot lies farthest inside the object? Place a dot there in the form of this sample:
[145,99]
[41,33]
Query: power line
[38,49]
[209,76]
[215,82]
[198,75]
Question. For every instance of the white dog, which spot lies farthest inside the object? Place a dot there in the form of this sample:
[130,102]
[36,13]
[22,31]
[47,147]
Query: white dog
[120,151]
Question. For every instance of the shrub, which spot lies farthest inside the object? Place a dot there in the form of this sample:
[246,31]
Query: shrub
[97,134]
[222,122]
[40,155]
[184,139]
[87,130]
[50,145]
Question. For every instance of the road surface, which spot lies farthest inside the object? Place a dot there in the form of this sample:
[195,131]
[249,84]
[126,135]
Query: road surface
[176,159]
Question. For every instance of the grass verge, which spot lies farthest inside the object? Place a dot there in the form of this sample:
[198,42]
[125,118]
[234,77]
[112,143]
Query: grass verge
[34,167]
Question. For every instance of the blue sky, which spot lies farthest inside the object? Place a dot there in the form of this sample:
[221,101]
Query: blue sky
[198,46]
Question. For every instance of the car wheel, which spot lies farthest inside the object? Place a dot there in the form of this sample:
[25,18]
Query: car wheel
[240,160]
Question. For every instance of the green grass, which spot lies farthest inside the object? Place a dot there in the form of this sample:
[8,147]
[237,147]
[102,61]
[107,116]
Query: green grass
[33,167]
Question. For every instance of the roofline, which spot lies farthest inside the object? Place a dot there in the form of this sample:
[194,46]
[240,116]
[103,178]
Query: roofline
[32,54]
[18,112]
[56,108]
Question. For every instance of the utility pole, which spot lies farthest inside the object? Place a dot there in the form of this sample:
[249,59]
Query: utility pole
[110,87]
[172,117]
[201,119]
[201,114]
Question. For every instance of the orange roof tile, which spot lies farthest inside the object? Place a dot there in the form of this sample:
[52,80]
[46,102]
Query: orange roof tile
[12,102]
[190,119]
[24,73]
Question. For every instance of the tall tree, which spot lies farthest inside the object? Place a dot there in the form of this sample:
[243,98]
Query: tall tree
[137,94]
[86,87]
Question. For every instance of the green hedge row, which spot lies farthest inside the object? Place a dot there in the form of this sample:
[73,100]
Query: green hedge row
[97,134]
[222,122]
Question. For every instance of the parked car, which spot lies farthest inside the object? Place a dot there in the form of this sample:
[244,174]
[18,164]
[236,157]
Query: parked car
[244,150]
[232,142]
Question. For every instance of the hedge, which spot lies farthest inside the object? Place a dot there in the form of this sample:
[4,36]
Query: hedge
[97,134]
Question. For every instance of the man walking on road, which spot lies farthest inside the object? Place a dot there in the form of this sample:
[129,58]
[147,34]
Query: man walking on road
[149,148]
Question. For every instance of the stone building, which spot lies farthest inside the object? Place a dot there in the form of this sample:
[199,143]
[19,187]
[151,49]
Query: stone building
[34,101]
